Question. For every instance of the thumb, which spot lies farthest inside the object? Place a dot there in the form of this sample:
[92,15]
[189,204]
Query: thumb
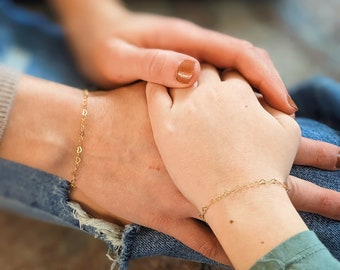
[164,67]
[169,68]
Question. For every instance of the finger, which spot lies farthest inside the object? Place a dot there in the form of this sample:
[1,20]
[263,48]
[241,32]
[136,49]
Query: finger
[318,154]
[256,66]
[309,197]
[228,75]
[231,73]
[209,75]
[163,67]
[224,51]
[159,104]
[236,81]
[198,236]
[285,120]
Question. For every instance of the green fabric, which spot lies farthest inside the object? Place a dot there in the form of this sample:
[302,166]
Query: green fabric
[303,251]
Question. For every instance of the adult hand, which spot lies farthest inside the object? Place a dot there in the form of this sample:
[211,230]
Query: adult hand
[115,46]
[307,196]
[121,175]
[318,154]
[311,152]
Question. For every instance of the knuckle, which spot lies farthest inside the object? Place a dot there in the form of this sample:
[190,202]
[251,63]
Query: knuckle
[156,63]
[237,85]
[256,51]
[159,221]
[101,62]
[264,53]
[320,154]
[325,202]
[292,187]
[247,45]
[178,25]
[296,129]
[208,250]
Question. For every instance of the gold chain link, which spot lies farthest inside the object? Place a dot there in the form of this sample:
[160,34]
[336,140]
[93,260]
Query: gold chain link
[229,192]
[79,148]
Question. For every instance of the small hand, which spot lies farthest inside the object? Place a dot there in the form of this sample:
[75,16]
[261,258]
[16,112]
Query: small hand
[313,153]
[304,195]
[218,135]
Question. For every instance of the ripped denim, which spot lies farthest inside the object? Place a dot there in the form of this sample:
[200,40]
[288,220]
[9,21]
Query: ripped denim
[24,190]
[43,53]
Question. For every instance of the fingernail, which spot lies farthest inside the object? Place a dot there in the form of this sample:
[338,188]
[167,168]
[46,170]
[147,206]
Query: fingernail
[185,71]
[292,103]
[338,162]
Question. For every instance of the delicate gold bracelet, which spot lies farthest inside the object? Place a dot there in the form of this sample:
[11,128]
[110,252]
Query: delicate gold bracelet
[229,192]
[79,149]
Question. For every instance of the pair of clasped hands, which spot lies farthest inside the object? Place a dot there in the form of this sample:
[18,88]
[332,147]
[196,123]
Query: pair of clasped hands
[155,155]
[189,145]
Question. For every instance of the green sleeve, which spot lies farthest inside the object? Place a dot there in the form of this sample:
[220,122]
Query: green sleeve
[302,251]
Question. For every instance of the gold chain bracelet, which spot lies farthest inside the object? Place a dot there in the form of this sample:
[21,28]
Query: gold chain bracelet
[229,192]
[79,149]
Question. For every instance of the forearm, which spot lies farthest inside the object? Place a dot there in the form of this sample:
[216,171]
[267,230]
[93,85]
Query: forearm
[43,125]
[251,223]
[43,131]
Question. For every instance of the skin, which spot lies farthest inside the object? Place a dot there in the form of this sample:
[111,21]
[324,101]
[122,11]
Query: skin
[120,46]
[121,169]
[206,152]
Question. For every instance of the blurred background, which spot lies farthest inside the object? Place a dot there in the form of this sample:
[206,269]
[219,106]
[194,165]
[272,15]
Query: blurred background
[303,39]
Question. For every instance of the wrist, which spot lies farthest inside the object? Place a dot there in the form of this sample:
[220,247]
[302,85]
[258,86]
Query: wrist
[43,126]
[254,222]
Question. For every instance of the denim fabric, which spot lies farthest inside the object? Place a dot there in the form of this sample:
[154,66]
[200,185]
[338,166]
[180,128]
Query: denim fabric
[318,98]
[32,44]
[42,196]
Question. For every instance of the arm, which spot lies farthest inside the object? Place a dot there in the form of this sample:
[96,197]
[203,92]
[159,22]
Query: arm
[118,135]
[35,134]
[121,46]
[120,165]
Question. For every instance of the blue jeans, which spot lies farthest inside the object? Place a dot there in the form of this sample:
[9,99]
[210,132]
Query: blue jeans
[31,43]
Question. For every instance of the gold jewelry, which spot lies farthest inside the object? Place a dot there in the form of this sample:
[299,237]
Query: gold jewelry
[229,192]
[79,149]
